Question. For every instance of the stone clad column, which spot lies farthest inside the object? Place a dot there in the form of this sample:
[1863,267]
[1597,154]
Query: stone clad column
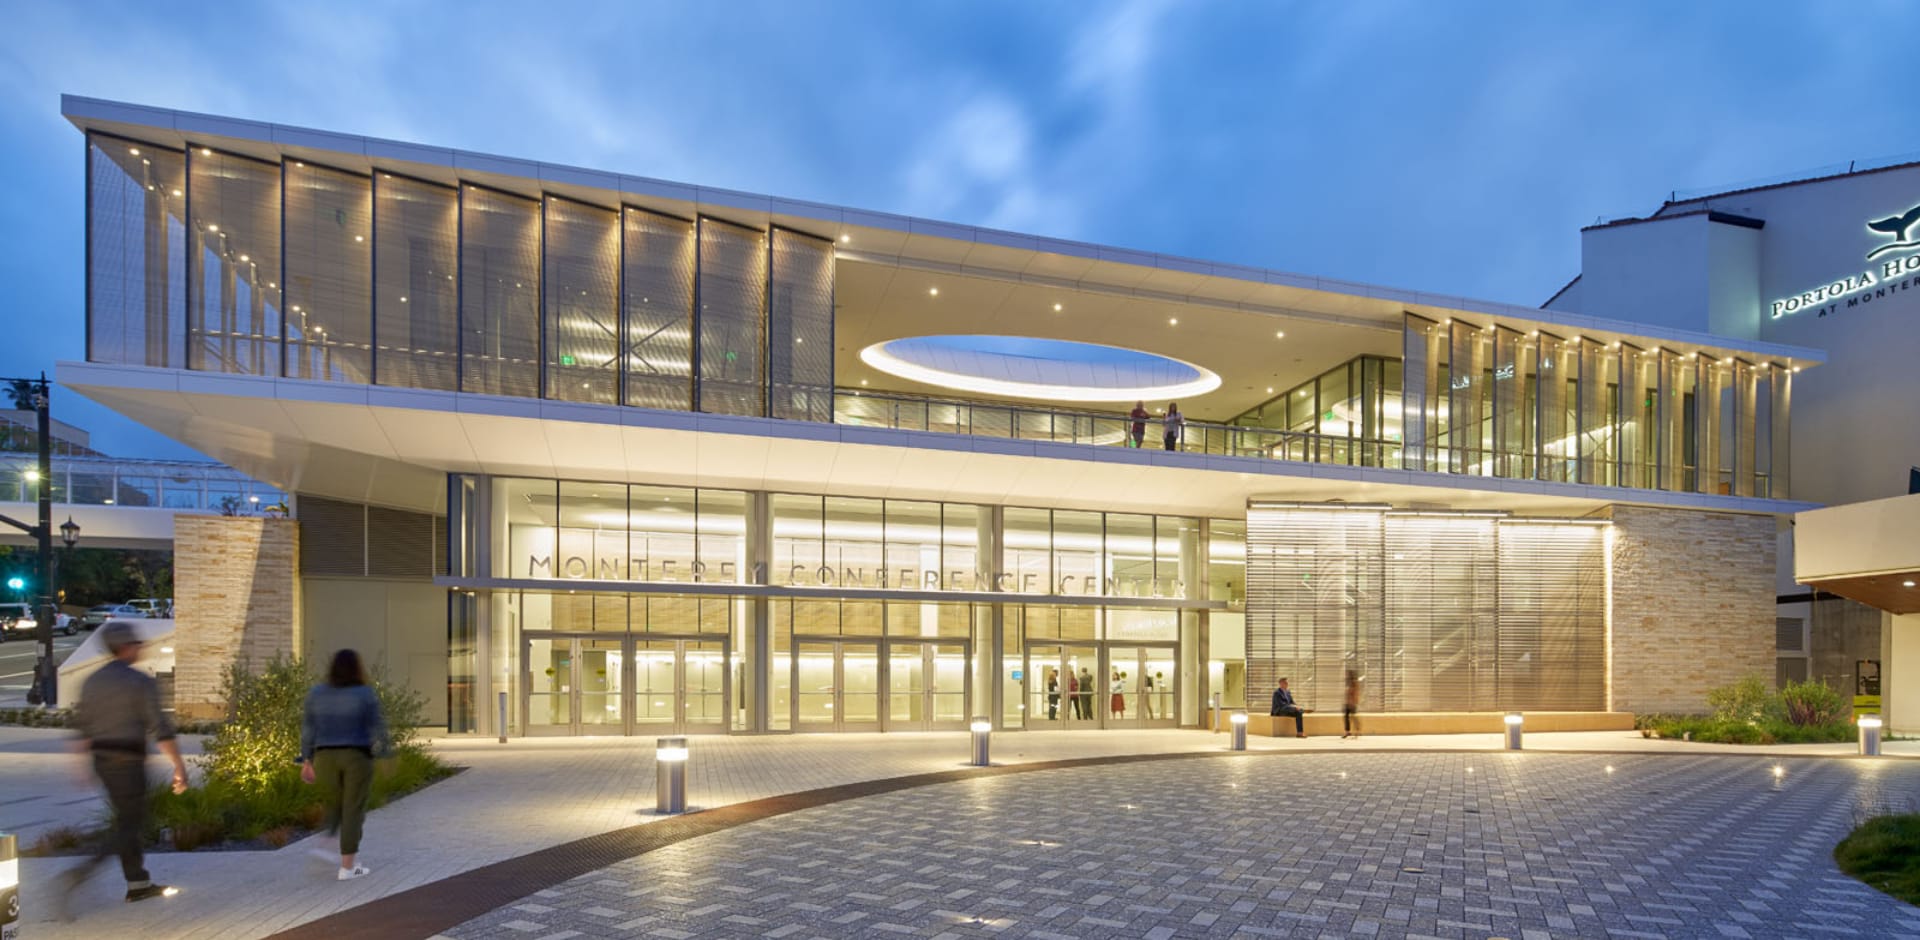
[237,599]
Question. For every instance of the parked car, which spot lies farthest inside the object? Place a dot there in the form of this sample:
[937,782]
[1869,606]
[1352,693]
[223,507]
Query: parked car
[153,606]
[18,620]
[101,613]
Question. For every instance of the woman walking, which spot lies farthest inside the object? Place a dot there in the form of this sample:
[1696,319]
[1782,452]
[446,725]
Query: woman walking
[1350,710]
[340,734]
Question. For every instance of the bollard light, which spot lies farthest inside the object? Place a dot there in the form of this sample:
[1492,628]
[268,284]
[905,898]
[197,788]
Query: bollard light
[1239,720]
[9,885]
[503,718]
[1870,735]
[982,734]
[1514,721]
[670,775]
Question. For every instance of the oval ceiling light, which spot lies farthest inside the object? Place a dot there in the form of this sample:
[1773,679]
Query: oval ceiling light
[1040,369]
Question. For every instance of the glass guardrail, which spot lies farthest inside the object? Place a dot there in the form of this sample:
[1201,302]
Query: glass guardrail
[185,486]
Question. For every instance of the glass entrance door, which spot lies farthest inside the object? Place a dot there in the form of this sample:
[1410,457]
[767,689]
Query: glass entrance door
[680,686]
[1140,687]
[836,686]
[926,686]
[1062,686]
[575,685]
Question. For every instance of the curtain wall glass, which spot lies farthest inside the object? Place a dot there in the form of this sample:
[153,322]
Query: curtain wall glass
[416,304]
[329,265]
[732,319]
[233,317]
[1420,349]
[1466,397]
[800,327]
[1592,412]
[582,303]
[1709,405]
[1743,440]
[1507,416]
[499,293]
[657,288]
[1780,400]
[136,251]
[1553,435]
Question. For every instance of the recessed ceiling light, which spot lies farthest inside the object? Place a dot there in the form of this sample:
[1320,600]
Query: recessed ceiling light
[1058,307]
[134,150]
[206,152]
[176,192]
[933,292]
[1906,584]
[863,381]
[1269,389]
[845,239]
[298,163]
[1280,334]
[1173,321]
[1796,368]
[361,238]
[799,339]
[213,228]
[245,258]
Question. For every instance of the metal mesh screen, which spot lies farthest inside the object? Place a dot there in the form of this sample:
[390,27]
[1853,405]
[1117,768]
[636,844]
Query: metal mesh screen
[1552,617]
[233,316]
[1416,384]
[416,301]
[658,284]
[404,544]
[1638,380]
[582,302]
[329,265]
[1313,594]
[136,253]
[1552,429]
[800,327]
[499,293]
[1437,612]
[1439,647]
[732,318]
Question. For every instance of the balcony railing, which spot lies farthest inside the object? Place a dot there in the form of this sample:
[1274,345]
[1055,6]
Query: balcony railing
[1034,423]
[186,486]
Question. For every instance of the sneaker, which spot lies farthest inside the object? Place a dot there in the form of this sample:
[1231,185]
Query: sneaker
[357,871]
[151,891]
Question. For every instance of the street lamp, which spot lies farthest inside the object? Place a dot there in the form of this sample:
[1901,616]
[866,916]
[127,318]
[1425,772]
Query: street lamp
[45,690]
[69,532]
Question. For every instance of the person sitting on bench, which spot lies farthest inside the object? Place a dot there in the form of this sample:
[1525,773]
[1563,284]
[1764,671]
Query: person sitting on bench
[1283,706]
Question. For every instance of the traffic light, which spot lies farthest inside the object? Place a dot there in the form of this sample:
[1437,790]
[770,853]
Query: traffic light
[17,583]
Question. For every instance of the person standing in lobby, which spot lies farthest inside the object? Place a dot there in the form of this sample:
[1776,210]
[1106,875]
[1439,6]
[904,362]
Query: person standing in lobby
[341,732]
[119,710]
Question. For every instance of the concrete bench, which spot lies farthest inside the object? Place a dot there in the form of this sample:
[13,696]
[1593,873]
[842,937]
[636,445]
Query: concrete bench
[1328,722]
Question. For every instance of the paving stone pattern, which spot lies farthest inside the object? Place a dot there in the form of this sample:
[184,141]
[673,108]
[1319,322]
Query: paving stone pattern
[1304,845]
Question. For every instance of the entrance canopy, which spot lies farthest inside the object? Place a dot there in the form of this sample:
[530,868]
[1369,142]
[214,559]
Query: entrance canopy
[1867,552]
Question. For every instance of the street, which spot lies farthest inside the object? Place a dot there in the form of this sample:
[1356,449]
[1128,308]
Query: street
[16,664]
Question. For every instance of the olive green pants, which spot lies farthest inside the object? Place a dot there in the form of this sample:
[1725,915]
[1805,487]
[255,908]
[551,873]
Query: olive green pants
[345,776]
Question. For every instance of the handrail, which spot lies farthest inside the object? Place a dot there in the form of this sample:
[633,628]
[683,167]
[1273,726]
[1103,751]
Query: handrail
[1039,423]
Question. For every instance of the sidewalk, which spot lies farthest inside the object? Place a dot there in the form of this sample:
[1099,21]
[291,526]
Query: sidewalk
[536,793]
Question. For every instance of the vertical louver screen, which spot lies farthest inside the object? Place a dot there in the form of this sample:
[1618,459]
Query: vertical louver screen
[582,302]
[732,318]
[233,317]
[416,299]
[344,539]
[333,537]
[329,274]
[499,293]
[136,245]
[658,286]
[1420,349]
[1435,611]
[800,327]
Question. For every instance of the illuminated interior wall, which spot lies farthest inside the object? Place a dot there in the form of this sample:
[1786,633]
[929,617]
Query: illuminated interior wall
[1435,611]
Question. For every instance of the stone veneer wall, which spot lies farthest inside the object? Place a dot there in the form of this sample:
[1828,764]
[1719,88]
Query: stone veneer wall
[1693,605]
[237,596]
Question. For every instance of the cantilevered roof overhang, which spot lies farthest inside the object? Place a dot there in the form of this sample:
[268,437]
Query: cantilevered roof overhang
[1868,552]
[996,281]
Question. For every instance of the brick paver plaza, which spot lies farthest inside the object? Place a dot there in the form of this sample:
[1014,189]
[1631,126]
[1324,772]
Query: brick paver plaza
[1395,837]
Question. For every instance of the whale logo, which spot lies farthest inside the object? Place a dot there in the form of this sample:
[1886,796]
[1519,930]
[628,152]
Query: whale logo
[1900,227]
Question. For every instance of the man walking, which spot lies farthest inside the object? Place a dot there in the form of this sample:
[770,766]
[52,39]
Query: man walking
[119,710]
[1284,707]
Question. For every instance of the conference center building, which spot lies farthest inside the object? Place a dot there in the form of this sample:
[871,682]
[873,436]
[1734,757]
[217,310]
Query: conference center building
[612,455]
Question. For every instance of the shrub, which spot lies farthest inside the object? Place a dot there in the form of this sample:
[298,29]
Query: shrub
[1812,703]
[1884,852]
[261,735]
[1751,698]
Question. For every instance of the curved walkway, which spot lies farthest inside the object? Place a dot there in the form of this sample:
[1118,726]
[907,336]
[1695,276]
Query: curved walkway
[1378,843]
[530,815]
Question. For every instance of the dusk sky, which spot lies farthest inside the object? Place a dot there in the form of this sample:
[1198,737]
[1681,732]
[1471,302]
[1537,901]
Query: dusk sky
[1448,147]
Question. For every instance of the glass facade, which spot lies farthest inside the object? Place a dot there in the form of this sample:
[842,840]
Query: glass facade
[657,269]
[416,303]
[329,286]
[731,338]
[136,253]
[499,293]
[233,285]
[582,302]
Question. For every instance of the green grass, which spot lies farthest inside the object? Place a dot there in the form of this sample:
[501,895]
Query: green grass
[1884,852]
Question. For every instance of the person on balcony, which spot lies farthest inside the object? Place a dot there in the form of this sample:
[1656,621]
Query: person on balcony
[1174,424]
[1139,416]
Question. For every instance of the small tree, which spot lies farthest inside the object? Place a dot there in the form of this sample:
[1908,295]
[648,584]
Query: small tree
[1750,699]
[23,392]
[261,737]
